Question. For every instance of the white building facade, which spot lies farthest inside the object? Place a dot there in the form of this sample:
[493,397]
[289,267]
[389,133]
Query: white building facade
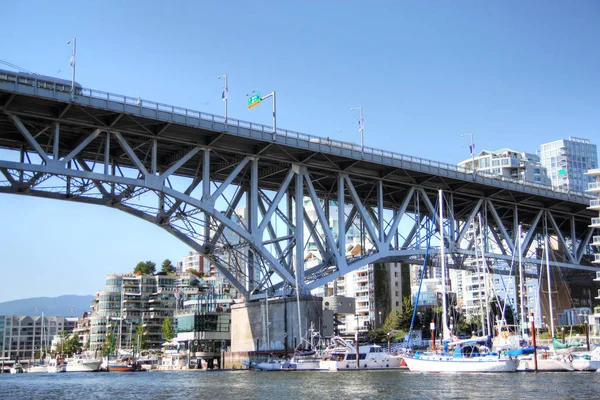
[568,160]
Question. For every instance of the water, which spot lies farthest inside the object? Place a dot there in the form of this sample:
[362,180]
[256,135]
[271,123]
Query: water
[222,385]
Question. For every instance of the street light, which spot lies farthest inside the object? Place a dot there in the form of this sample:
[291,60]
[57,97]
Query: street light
[380,319]
[389,335]
[72,62]
[472,148]
[361,127]
[225,94]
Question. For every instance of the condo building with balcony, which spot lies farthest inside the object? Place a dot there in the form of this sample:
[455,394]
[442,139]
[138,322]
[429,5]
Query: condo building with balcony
[24,337]
[594,189]
[568,160]
[509,163]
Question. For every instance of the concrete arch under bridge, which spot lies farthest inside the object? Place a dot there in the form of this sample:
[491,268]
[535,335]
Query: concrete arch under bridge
[256,202]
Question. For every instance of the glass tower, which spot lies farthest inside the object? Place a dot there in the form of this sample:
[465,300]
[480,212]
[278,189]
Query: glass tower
[567,161]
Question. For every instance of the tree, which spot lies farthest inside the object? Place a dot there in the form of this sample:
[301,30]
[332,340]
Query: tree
[140,340]
[406,315]
[68,344]
[145,268]
[108,344]
[391,322]
[167,330]
[167,267]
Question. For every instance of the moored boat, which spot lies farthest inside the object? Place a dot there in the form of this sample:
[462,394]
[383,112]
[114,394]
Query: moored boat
[82,364]
[57,365]
[17,368]
[128,364]
[587,361]
[343,357]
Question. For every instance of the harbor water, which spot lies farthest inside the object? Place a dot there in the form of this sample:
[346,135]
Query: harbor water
[221,385]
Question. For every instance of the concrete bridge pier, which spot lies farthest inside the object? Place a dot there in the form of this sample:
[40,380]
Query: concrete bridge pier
[256,329]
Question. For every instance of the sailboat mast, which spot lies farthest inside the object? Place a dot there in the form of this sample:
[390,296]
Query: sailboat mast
[480,272]
[522,296]
[549,282]
[445,330]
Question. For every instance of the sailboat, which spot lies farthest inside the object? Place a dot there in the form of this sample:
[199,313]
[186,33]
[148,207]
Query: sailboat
[547,359]
[468,355]
[39,368]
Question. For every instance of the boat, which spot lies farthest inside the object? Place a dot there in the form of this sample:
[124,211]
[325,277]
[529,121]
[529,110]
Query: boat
[17,368]
[127,364]
[547,360]
[468,356]
[37,369]
[341,355]
[56,365]
[587,361]
[83,364]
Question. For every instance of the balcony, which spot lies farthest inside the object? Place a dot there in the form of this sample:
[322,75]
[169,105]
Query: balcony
[597,279]
[594,187]
[594,205]
[597,259]
[595,223]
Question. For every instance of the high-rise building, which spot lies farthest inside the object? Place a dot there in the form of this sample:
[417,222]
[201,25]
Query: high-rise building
[568,160]
[509,163]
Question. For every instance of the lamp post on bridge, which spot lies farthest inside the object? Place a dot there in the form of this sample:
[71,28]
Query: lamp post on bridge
[361,127]
[225,94]
[72,62]
[472,148]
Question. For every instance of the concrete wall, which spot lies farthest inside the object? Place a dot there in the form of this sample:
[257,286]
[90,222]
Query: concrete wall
[249,322]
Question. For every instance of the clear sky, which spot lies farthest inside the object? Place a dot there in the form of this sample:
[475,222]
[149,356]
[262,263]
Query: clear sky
[512,73]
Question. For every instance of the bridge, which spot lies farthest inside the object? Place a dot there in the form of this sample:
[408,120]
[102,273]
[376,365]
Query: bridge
[252,200]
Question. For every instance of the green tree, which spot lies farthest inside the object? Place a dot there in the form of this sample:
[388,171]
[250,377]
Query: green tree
[406,315]
[145,268]
[167,329]
[140,340]
[108,344]
[391,322]
[167,267]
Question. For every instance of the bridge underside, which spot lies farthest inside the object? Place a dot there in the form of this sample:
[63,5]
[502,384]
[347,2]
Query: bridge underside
[274,212]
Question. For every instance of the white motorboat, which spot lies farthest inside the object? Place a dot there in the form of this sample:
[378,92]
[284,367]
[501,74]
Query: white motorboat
[56,366]
[37,369]
[81,364]
[343,357]
[17,368]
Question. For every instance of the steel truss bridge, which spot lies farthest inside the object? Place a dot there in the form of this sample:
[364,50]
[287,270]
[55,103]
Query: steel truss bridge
[254,201]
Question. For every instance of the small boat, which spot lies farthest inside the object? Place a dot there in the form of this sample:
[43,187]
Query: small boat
[342,356]
[17,368]
[37,369]
[57,365]
[127,364]
[547,360]
[587,361]
[83,364]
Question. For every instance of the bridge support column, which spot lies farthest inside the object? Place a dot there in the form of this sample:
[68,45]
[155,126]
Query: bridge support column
[249,325]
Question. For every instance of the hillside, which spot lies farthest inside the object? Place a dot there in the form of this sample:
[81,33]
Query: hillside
[67,306]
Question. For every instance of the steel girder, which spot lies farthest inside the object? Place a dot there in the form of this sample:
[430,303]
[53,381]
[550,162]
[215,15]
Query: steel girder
[256,212]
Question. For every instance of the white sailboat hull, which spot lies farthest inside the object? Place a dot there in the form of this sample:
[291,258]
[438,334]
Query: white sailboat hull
[37,369]
[449,364]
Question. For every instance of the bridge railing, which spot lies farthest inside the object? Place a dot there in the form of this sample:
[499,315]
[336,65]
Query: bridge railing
[32,81]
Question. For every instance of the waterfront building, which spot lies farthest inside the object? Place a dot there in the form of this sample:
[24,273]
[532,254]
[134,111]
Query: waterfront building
[568,160]
[594,189]
[129,300]
[202,323]
[509,163]
[26,336]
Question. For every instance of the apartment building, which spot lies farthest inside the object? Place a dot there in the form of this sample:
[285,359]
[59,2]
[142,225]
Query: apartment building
[568,160]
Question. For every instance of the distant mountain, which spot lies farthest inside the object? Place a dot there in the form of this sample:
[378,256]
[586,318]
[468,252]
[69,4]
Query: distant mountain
[66,306]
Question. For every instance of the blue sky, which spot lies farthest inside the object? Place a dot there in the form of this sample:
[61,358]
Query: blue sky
[514,74]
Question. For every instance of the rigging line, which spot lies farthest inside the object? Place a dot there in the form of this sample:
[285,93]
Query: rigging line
[429,232]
